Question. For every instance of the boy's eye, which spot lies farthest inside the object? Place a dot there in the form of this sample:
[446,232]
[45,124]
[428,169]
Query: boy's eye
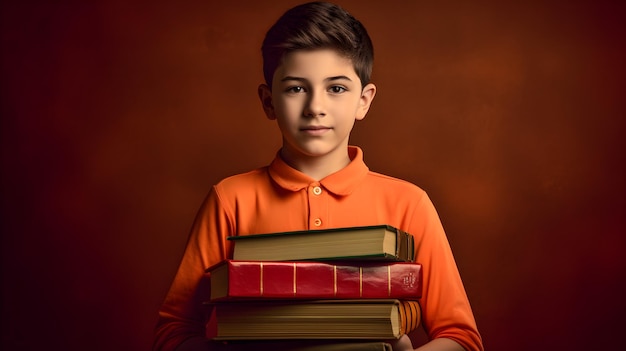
[296,89]
[336,89]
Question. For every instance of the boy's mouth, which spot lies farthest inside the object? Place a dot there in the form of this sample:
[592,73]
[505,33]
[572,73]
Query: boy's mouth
[315,130]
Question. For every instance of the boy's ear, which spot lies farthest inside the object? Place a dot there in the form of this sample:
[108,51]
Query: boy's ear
[265,94]
[367,95]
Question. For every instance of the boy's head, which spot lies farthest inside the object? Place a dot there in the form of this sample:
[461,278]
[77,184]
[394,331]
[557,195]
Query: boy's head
[318,25]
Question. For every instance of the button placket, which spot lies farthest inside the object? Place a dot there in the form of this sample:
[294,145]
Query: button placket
[315,206]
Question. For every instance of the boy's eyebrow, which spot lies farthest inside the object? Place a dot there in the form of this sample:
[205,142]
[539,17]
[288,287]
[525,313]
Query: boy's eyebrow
[293,78]
[329,79]
[337,78]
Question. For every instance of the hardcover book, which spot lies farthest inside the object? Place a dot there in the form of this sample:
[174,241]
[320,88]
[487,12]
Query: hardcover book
[233,279]
[308,345]
[381,242]
[376,319]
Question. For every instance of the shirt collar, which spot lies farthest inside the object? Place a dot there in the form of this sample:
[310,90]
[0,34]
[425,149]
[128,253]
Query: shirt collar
[342,182]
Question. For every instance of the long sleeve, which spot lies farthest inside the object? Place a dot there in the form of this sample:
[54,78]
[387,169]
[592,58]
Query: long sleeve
[446,311]
[183,314]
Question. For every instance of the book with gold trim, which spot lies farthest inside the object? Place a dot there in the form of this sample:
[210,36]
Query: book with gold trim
[233,279]
[378,242]
[376,319]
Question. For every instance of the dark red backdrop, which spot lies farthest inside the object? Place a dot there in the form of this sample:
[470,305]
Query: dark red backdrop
[117,117]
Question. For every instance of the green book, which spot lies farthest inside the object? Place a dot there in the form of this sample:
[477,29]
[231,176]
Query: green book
[378,242]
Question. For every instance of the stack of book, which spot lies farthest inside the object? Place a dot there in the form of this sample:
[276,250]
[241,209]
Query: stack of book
[336,289]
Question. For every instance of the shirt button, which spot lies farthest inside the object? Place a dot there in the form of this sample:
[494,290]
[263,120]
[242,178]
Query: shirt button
[317,190]
[317,222]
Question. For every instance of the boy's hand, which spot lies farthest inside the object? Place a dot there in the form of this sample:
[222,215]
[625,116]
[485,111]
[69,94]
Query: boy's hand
[402,344]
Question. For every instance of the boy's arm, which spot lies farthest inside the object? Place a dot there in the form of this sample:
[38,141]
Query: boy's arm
[446,313]
[441,344]
[184,314]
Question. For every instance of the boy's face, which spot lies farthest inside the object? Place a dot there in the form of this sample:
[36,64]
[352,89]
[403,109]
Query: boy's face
[316,97]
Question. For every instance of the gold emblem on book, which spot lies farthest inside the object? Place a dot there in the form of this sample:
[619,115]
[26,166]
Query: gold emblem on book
[409,280]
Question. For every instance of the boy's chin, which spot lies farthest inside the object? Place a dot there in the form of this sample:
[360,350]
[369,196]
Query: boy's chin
[305,152]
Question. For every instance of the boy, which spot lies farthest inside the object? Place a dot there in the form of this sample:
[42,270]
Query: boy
[317,61]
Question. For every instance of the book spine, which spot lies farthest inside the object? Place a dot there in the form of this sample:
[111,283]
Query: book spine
[410,316]
[320,280]
[405,246]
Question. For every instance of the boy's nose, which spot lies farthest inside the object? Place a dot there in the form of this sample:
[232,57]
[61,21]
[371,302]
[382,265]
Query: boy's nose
[314,106]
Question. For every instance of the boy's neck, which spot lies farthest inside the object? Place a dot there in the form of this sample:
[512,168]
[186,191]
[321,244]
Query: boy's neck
[317,167]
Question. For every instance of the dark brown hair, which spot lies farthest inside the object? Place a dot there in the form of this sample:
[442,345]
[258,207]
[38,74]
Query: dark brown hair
[318,25]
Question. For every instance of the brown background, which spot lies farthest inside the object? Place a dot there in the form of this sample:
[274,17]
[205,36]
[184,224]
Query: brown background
[117,117]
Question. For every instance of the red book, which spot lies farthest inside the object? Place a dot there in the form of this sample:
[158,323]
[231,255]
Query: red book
[315,280]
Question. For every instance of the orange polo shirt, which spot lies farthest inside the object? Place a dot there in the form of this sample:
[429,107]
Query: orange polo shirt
[278,198]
